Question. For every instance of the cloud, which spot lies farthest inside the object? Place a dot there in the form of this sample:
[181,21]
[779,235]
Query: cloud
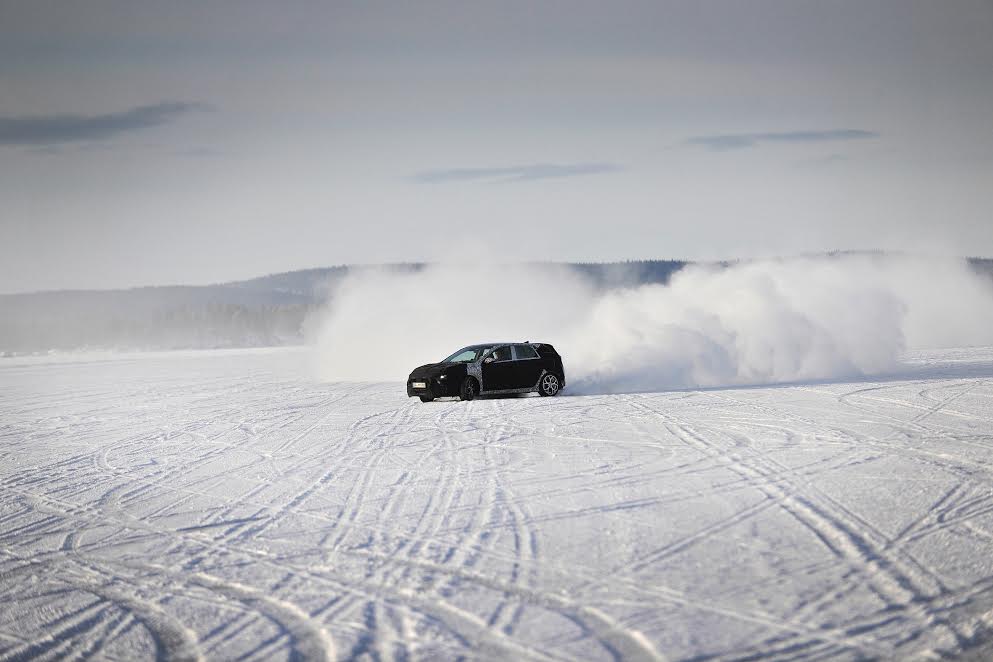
[729,141]
[58,129]
[516,173]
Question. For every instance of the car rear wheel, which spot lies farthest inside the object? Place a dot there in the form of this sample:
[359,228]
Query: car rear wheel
[549,385]
[426,398]
[468,390]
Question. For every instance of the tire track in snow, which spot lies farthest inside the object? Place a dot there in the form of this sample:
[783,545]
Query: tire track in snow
[356,503]
[310,640]
[621,642]
[389,630]
[434,518]
[899,587]
[174,642]
[893,546]
[249,530]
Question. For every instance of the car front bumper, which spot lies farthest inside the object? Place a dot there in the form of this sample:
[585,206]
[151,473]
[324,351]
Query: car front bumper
[433,387]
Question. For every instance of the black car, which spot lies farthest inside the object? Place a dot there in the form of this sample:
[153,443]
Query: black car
[490,369]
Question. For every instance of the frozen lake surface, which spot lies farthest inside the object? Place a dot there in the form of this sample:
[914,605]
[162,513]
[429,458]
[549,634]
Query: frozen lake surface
[224,505]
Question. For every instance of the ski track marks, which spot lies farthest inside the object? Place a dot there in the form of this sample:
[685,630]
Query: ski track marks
[208,505]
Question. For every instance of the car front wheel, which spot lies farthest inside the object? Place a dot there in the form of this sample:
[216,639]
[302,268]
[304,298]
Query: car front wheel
[549,385]
[468,390]
[426,398]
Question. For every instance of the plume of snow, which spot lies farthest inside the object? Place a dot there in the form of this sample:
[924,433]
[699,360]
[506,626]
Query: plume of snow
[754,322]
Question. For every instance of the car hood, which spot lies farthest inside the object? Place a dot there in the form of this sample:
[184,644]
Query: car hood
[431,369]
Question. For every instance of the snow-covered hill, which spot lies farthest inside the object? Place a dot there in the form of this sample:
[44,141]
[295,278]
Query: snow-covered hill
[224,505]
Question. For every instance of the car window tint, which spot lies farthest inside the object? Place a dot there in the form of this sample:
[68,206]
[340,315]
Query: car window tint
[501,354]
[525,352]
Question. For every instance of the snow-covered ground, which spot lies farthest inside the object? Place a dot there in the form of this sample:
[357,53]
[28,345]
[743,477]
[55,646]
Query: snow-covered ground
[224,505]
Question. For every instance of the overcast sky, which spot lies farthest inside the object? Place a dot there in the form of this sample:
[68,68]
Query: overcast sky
[189,142]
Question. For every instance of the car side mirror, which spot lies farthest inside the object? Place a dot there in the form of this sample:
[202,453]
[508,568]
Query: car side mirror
[489,359]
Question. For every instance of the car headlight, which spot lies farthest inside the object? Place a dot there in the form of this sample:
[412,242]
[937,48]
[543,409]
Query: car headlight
[442,377]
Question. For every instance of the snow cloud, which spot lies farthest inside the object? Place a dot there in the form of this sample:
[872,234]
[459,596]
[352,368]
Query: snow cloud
[756,322]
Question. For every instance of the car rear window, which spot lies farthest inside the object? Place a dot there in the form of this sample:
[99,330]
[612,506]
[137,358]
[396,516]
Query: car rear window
[525,352]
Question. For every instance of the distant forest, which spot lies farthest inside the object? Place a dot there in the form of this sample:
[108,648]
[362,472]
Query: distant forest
[266,311]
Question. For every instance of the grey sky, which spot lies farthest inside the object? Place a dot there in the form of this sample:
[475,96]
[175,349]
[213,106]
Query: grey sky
[372,132]
[516,173]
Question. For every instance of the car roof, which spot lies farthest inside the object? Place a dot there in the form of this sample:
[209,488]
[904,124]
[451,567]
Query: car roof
[497,344]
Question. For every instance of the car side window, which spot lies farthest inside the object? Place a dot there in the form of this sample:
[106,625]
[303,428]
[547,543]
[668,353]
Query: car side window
[525,352]
[501,353]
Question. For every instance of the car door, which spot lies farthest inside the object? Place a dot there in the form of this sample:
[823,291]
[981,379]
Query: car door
[498,374]
[527,366]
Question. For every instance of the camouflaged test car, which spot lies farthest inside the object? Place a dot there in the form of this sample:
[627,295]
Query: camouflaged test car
[490,369]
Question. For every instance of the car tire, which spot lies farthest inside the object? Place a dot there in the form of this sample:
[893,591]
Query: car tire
[549,385]
[468,390]
[426,398]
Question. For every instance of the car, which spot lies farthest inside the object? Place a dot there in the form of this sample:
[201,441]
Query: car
[490,369]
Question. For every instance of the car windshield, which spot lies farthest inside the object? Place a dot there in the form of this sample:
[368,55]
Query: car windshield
[466,355]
